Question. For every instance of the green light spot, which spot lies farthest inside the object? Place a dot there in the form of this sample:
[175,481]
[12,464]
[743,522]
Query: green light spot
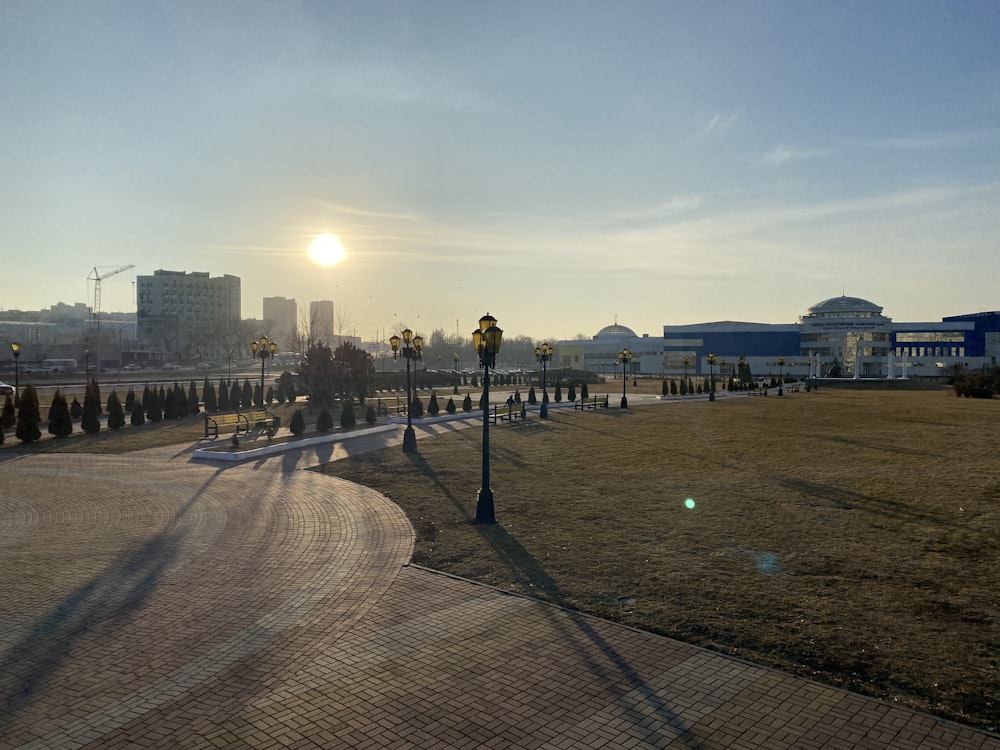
[689,503]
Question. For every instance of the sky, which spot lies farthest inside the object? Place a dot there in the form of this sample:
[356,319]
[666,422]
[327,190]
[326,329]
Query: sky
[560,164]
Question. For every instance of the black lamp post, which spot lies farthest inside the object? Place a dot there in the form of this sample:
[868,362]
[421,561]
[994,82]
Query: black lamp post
[412,349]
[455,375]
[86,359]
[781,379]
[229,373]
[624,357]
[711,377]
[15,349]
[723,373]
[265,351]
[543,354]
[486,339]
[687,364]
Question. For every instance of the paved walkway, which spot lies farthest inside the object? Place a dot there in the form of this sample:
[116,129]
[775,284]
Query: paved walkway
[150,601]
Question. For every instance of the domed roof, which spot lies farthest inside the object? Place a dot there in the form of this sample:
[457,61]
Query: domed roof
[844,304]
[615,330]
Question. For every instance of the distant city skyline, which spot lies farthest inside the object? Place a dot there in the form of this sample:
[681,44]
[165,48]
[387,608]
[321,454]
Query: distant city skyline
[557,164]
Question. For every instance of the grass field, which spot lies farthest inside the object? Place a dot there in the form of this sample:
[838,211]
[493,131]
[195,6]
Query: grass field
[848,536]
[845,535]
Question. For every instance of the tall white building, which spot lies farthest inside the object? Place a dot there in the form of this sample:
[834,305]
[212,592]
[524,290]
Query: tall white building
[321,321]
[281,320]
[185,316]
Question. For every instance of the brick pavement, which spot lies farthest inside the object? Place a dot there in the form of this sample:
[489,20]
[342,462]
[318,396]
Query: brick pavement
[147,601]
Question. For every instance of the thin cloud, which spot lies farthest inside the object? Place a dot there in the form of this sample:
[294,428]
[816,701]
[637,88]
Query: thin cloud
[370,213]
[716,125]
[783,154]
[934,141]
[675,205]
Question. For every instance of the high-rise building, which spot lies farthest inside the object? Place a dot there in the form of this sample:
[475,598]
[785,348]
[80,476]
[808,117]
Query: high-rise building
[188,316]
[321,321]
[281,320]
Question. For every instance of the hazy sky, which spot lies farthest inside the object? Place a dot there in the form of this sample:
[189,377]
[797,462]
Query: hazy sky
[557,164]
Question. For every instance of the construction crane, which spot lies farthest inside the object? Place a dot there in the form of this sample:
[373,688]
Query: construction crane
[97,277]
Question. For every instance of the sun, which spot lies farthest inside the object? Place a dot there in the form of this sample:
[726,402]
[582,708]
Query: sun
[326,250]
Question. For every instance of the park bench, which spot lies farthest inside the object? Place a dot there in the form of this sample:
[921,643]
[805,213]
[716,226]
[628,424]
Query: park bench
[244,420]
[508,413]
[595,402]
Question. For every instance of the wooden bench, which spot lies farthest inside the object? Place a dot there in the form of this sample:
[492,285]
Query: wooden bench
[508,413]
[244,420]
[595,402]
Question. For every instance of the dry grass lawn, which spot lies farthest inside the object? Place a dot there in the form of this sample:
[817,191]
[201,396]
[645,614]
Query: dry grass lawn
[849,536]
[846,535]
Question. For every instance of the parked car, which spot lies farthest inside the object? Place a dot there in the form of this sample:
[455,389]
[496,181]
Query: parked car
[6,390]
[132,367]
[171,366]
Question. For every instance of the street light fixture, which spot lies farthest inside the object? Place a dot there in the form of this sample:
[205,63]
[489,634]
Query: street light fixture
[543,354]
[624,357]
[711,377]
[781,379]
[265,351]
[412,349]
[487,340]
[15,349]
[86,357]
[455,375]
[687,363]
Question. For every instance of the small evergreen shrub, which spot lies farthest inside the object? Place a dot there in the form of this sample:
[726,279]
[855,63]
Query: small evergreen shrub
[116,413]
[298,423]
[28,416]
[324,422]
[450,406]
[467,403]
[347,416]
[60,422]
[370,416]
[432,406]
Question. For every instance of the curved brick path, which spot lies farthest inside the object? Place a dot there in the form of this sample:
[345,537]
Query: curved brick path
[149,601]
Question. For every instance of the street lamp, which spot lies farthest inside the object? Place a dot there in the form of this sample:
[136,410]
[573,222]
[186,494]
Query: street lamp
[455,375]
[624,357]
[711,377]
[86,357]
[486,339]
[722,373]
[229,373]
[412,349]
[543,354]
[15,348]
[781,380]
[687,363]
[264,350]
